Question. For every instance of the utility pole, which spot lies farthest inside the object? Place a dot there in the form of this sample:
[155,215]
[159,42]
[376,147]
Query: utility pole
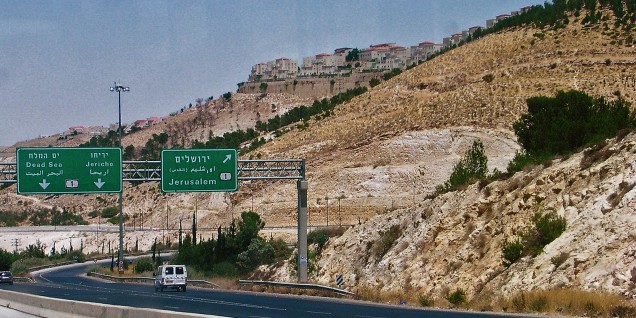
[120,88]
[16,243]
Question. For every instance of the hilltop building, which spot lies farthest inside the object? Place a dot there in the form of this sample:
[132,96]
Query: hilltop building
[376,58]
[279,69]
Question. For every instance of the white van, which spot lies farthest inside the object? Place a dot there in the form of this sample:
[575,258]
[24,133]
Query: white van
[171,276]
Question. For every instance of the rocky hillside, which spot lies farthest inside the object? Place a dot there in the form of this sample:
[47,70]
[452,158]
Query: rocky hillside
[455,240]
[376,160]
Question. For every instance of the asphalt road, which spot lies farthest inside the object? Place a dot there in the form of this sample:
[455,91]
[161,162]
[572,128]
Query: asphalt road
[71,283]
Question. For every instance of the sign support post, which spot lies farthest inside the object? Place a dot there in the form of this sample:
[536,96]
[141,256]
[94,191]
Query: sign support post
[303,186]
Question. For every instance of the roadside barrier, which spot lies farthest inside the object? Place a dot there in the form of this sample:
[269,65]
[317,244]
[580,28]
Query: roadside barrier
[295,285]
[60,308]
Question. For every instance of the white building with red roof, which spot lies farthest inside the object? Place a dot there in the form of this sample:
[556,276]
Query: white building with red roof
[423,51]
[279,69]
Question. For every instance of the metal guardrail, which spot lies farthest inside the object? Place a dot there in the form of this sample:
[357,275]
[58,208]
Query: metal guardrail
[147,279]
[37,268]
[23,279]
[296,285]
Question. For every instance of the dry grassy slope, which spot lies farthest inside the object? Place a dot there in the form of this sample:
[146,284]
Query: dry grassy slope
[449,90]
[402,138]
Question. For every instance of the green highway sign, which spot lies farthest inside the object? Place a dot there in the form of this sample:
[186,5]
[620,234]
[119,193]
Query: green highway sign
[68,170]
[198,170]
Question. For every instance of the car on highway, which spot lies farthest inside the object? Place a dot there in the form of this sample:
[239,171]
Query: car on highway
[171,276]
[6,277]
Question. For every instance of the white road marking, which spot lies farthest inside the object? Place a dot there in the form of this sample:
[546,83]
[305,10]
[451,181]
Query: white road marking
[319,312]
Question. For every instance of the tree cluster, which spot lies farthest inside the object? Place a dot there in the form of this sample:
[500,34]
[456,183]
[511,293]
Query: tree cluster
[35,254]
[563,124]
[55,217]
[237,249]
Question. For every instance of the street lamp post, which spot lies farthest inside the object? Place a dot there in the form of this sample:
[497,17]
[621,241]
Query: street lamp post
[120,88]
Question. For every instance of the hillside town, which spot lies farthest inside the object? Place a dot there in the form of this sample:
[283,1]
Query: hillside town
[343,62]
[375,58]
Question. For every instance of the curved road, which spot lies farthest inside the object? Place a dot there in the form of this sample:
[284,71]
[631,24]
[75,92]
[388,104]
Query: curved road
[71,283]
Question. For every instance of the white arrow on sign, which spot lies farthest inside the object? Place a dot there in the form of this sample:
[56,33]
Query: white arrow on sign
[99,183]
[44,184]
[227,157]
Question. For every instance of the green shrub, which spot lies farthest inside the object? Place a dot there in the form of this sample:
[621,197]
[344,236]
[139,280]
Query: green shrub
[547,228]
[281,251]
[488,78]
[472,167]
[456,298]
[374,82]
[394,72]
[19,268]
[512,252]
[318,237]
[144,265]
[258,252]
[75,256]
[109,212]
[523,159]
[8,218]
[225,269]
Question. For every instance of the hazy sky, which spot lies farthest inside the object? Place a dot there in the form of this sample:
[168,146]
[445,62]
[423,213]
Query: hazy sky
[59,58]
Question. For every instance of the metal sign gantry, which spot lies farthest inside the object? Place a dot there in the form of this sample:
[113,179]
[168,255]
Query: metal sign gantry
[150,170]
[284,169]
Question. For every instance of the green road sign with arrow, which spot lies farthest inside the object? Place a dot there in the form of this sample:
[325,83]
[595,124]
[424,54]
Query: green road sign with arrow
[68,170]
[199,170]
